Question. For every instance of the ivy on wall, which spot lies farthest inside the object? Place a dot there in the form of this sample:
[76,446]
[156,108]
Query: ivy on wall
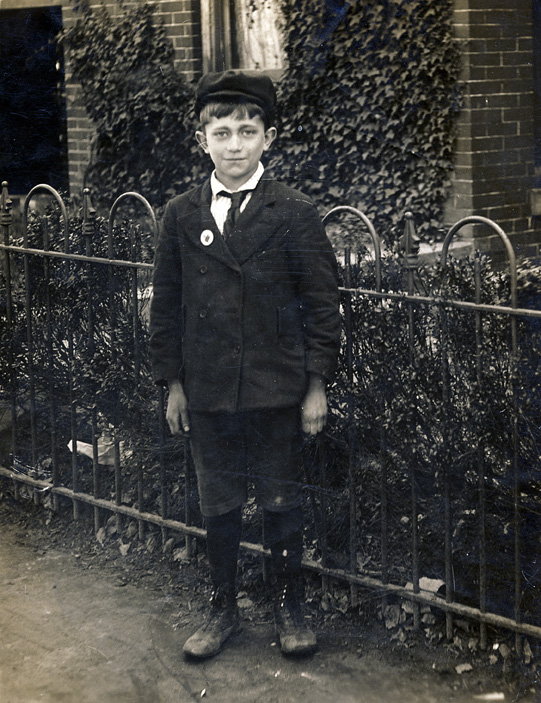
[141,107]
[368,100]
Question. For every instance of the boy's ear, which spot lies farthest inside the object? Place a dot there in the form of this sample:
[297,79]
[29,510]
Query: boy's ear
[202,140]
[270,136]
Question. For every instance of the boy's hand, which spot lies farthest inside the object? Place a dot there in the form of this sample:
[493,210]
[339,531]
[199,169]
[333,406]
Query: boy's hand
[177,407]
[314,406]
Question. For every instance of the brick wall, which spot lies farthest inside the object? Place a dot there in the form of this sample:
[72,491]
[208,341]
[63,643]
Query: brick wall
[495,149]
[182,21]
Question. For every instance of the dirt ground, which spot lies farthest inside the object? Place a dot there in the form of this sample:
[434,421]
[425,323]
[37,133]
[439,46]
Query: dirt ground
[82,621]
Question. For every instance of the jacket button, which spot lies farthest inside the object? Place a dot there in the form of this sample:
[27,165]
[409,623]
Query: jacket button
[203,314]
[236,349]
[203,269]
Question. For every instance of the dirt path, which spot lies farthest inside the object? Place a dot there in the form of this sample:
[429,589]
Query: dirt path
[73,630]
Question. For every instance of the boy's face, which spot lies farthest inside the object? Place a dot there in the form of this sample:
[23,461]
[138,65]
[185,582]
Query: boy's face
[235,147]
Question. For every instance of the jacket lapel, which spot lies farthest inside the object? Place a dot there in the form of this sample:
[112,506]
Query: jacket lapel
[198,222]
[255,224]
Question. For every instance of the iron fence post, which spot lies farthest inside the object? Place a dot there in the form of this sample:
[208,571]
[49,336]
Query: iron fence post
[89,232]
[352,434]
[480,464]
[410,245]
[511,258]
[6,220]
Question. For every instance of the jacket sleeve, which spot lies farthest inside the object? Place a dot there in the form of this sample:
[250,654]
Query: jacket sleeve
[166,304]
[315,269]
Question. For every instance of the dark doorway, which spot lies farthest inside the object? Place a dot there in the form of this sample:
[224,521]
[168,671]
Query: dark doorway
[32,105]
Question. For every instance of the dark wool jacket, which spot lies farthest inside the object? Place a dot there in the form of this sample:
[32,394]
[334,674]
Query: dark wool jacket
[242,324]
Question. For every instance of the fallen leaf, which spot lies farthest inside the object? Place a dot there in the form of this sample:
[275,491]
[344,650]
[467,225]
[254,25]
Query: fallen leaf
[392,616]
[180,554]
[505,651]
[245,603]
[463,668]
[528,654]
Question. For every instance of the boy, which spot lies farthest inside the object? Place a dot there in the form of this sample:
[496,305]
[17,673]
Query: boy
[245,332]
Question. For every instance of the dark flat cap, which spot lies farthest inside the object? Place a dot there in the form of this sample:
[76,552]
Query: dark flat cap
[254,87]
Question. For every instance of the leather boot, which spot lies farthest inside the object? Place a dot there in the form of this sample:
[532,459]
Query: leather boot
[222,622]
[296,638]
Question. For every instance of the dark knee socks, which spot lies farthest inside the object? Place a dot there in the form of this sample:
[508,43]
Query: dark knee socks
[223,538]
[283,536]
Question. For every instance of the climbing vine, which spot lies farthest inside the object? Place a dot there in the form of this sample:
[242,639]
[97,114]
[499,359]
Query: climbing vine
[141,107]
[369,100]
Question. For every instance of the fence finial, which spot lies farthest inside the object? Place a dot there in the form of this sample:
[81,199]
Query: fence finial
[410,242]
[5,206]
[410,245]
[89,214]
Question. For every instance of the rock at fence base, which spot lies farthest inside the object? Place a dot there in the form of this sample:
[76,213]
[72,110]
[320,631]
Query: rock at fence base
[431,585]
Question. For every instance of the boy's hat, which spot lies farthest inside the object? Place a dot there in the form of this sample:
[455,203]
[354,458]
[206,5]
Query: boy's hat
[253,87]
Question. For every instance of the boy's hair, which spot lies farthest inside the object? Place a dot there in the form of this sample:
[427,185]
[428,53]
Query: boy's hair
[240,109]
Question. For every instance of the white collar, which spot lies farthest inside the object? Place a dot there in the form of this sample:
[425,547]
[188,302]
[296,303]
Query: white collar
[250,184]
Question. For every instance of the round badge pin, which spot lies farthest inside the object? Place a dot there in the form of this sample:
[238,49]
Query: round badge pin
[207,237]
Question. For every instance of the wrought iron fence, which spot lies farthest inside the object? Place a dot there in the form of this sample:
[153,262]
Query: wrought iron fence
[413,462]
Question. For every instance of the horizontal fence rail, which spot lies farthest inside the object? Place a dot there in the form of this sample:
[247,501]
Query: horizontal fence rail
[422,479]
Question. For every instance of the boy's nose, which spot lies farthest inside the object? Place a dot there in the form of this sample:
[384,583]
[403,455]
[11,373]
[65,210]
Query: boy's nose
[234,142]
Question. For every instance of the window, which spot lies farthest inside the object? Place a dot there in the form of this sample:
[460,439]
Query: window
[242,34]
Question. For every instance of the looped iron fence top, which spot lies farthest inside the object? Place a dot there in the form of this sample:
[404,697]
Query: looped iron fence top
[353,576]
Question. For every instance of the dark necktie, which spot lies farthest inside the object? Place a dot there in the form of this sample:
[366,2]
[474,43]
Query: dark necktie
[234,210]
